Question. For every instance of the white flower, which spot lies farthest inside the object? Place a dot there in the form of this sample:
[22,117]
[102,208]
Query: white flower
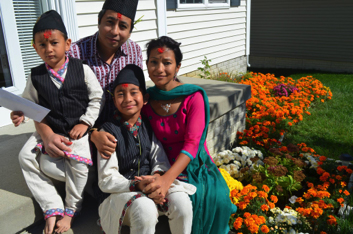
[259,154]
[226,160]
[218,162]
[249,162]
[243,162]
[238,157]
[271,220]
[231,157]
[291,231]
[238,164]
[291,219]
[293,199]
[237,150]
[222,154]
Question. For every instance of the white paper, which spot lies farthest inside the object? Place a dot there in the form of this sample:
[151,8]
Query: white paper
[17,103]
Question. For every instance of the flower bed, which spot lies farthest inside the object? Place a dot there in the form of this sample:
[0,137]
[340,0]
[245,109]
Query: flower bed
[285,189]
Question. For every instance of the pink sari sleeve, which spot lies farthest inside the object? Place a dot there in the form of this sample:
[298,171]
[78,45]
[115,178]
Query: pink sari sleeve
[195,124]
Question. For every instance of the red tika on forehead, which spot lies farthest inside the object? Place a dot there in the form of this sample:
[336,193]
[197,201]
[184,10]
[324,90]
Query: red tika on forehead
[119,16]
[160,49]
[124,85]
[47,34]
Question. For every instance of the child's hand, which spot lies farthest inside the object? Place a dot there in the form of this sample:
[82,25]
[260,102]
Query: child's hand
[158,197]
[17,117]
[78,130]
[144,181]
[156,188]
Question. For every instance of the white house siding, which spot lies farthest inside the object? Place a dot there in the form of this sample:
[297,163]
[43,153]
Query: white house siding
[307,34]
[218,34]
[87,18]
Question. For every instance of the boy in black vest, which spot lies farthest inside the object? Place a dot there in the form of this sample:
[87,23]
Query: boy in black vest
[71,91]
[138,153]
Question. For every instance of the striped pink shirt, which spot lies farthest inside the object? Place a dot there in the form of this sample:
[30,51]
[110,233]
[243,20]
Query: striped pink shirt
[86,50]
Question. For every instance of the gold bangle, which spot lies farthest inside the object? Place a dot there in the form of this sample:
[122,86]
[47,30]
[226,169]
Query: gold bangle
[93,129]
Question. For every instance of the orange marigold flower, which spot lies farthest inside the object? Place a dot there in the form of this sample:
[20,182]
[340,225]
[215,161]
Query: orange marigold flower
[299,200]
[272,205]
[320,171]
[238,223]
[265,229]
[322,232]
[338,177]
[265,188]
[346,193]
[332,181]
[253,228]
[343,184]
[331,220]
[274,199]
[263,219]
[322,158]
[247,215]
[310,185]
[340,200]
[323,194]
[242,205]
[253,194]
[349,171]
[264,207]
[262,194]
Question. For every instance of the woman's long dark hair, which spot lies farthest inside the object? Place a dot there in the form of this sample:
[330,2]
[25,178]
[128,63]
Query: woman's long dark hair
[167,42]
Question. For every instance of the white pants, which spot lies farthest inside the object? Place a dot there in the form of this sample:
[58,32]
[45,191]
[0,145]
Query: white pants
[38,168]
[142,215]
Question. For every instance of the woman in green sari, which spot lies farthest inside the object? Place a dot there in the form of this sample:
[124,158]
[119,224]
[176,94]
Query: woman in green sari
[179,115]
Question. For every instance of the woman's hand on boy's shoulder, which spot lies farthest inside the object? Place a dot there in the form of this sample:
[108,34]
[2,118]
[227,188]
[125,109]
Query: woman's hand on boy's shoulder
[104,142]
[17,117]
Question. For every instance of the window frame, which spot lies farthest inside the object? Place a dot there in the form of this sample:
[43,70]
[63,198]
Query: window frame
[201,6]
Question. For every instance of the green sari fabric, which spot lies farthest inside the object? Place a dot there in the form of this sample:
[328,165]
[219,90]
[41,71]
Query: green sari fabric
[212,206]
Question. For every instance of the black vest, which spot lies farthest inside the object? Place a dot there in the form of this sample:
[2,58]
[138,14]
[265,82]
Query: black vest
[66,104]
[128,148]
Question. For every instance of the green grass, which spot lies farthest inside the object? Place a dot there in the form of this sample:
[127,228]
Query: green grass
[329,128]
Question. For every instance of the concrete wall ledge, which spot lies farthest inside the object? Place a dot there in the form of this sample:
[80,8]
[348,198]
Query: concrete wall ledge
[18,209]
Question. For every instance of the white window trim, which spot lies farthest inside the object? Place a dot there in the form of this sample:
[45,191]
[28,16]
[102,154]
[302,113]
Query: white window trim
[13,50]
[162,18]
[201,6]
[14,56]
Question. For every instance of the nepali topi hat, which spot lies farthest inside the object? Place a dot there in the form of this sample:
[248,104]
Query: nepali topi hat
[131,74]
[49,20]
[125,7]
